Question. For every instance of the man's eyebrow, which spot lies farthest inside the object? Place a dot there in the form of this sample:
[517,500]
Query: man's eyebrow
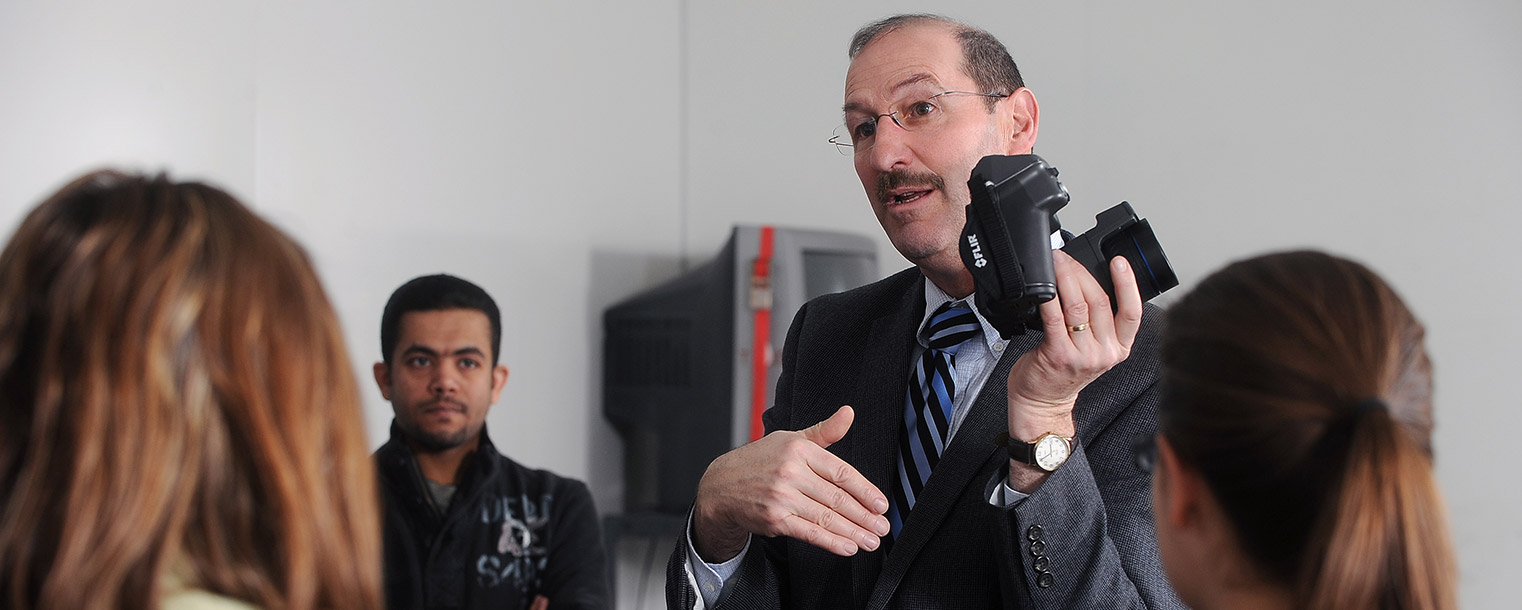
[912,79]
[419,349]
[468,350]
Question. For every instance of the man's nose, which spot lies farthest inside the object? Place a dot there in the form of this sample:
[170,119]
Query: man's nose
[445,381]
[890,146]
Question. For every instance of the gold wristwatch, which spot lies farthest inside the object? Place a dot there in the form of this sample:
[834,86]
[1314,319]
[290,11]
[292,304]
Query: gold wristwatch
[1048,452]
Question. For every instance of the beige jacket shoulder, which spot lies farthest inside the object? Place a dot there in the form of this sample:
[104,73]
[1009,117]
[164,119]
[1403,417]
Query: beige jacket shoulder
[195,599]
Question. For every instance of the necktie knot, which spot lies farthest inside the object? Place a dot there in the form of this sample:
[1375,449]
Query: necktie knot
[951,326]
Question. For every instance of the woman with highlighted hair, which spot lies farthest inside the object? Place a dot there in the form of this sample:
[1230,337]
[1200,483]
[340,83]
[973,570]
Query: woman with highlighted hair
[179,425]
[1294,454]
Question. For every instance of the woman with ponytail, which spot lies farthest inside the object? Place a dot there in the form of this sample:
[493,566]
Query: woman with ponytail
[1294,455]
[179,426]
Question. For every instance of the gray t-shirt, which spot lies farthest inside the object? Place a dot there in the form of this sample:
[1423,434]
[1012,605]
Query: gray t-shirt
[441,493]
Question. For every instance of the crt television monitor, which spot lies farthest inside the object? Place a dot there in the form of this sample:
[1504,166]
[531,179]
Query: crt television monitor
[683,377]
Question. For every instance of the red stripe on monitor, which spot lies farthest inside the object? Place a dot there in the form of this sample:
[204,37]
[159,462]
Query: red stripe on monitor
[761,342]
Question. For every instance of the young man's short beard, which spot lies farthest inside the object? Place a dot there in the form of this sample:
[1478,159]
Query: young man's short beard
[437,443]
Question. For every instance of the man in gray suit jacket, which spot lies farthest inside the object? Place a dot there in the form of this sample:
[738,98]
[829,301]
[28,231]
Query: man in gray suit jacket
[907,501]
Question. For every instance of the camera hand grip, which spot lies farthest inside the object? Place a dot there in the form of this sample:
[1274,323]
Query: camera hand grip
[1006,243]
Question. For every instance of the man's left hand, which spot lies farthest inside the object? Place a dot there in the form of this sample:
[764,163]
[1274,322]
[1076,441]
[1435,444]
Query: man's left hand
[1083,340]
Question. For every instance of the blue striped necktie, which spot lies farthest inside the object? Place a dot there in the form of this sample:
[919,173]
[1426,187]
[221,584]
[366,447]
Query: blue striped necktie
[927,412]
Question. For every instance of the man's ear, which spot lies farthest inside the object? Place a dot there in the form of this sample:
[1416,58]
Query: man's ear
[1022,118]
[498,381]
[383,378]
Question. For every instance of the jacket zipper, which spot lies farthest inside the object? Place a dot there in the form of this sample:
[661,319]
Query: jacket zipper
[422,483]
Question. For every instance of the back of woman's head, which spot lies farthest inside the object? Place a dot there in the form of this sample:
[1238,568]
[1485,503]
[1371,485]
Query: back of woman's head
[1298,386]
[175,398]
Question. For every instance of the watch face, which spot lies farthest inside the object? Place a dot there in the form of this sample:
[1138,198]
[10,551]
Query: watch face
[1051,452]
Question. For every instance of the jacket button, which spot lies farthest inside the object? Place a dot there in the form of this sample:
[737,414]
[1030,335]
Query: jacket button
[1045,580]
[1038,548]
[1034,532]
[1043,563]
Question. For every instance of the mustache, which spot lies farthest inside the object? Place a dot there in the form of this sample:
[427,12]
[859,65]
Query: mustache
[445,402]
[902,178]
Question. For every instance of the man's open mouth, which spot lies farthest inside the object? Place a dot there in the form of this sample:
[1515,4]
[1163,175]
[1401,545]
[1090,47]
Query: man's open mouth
[907,196]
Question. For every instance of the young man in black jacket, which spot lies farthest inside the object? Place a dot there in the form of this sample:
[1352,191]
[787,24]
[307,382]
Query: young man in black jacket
[466,527]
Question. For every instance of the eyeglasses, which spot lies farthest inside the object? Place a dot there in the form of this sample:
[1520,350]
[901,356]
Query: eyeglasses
[915,113]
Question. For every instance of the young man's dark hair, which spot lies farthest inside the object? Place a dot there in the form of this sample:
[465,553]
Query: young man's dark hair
[434,293]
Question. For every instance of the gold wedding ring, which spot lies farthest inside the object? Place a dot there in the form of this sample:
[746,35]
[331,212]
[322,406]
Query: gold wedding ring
[1078,328]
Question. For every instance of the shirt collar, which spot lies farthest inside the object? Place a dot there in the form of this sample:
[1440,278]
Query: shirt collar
[935,297]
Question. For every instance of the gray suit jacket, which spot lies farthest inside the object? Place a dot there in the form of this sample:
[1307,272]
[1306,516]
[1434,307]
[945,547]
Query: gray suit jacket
[1088,528]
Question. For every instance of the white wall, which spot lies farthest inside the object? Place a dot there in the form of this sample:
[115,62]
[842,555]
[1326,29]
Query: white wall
[566,155]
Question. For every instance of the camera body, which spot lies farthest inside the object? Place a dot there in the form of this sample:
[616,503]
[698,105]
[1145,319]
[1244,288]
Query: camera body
[1007,242]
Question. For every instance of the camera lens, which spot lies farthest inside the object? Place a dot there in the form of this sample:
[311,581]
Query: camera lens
[1139,245]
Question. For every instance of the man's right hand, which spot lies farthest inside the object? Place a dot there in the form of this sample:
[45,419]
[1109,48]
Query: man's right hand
[786,484]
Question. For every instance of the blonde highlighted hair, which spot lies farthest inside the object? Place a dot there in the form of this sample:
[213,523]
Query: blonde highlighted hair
[175,398]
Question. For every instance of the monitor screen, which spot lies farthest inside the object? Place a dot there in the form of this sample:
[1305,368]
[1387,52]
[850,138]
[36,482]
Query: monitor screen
[680,359]
[829,272]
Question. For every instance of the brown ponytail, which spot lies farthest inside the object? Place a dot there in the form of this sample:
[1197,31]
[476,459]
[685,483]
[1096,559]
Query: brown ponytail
[1384,527]
[1298,386]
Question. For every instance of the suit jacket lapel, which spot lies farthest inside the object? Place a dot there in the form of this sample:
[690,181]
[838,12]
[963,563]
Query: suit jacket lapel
[879,415]
[971,447]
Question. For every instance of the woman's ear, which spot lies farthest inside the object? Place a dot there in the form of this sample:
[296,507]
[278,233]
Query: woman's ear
[1178,502]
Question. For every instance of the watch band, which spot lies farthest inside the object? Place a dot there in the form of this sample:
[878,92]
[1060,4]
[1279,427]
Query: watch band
[1019,451]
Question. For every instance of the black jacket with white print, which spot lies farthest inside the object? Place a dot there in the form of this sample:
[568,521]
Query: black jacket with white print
[510,534]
